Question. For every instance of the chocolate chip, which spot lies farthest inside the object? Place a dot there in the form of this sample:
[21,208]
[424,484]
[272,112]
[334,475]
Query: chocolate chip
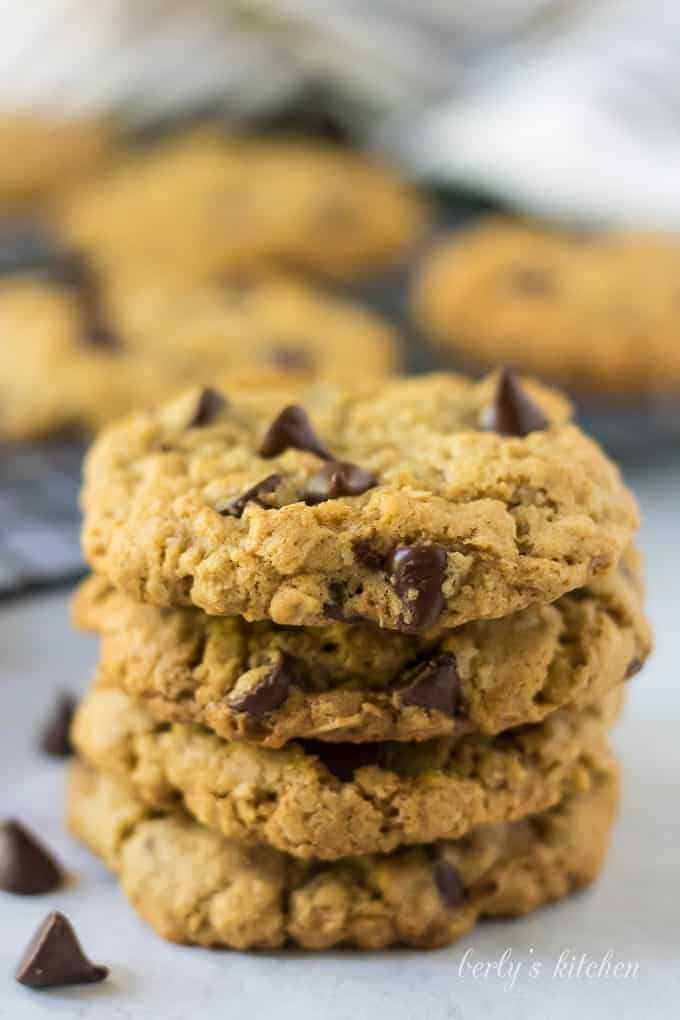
[513,412]
[55,738]
[271,692]
[292,428]
[417,573]
[434,685]
[342,760]
[235,507]
[98,334]
[291,359]
[533,280]
[209,404]
[335,479]
[54,957]
[449,884]
[26,866]
[634,667]
[367,555]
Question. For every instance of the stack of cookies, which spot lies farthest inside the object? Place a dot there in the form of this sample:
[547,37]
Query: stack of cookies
[360,652]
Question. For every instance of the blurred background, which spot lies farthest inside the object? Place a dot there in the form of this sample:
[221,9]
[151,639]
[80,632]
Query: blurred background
[439,185]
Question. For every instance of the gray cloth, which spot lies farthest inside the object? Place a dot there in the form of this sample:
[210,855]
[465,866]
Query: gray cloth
[39,519]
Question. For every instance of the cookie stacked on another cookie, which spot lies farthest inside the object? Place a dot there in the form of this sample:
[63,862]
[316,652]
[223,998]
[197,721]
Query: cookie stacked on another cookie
[359,659]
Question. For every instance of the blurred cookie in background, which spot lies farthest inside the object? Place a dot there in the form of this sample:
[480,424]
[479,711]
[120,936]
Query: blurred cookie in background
[596,312]
[80,348]
[207,203]
[41,155]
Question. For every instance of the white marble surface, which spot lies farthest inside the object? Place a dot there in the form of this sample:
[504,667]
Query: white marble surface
[634,912]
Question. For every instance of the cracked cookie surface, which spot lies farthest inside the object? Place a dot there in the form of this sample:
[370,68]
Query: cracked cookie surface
[404,503]
[596,312]
[194,886]
[347,682]
[82,348]
[207,204]
[326,801]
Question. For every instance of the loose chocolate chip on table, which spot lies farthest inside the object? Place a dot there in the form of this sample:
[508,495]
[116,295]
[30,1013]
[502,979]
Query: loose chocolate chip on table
[271,692]
[26,866]
[417,573]
[291,359]
[449,884]
[342,760]
[367,555]
[208,406]
[54,957]
[235,507]
[434,685]
[55,738]
[335,479]
[292,428]
[512,412]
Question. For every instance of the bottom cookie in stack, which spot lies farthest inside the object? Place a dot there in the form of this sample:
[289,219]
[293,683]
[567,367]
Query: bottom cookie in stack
[193,885]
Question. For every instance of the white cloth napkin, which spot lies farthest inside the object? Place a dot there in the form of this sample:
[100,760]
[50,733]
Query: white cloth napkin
[569,108]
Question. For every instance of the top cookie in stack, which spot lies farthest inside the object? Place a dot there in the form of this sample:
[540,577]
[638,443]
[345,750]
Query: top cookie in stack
[410,504]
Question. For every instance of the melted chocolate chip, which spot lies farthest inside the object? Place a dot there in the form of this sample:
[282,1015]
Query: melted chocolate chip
[434,685]
[417,573]
[271,692]
[55,738]
[26,866]
[235,507]
[54,957]
[367,555]
[513,412]
[449,885]
[291,359]
[292,428]
[335,479]
[209,404]
[342,760]
[634,667]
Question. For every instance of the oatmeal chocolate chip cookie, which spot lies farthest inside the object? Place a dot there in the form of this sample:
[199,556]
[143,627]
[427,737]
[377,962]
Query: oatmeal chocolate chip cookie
[324,800]
[410,503]
[194,886]
[347,682]
[594,312]
[208,204]
[81,348]
[41,156]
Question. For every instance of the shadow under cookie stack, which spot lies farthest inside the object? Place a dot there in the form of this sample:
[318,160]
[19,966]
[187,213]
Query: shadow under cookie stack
[360,653]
